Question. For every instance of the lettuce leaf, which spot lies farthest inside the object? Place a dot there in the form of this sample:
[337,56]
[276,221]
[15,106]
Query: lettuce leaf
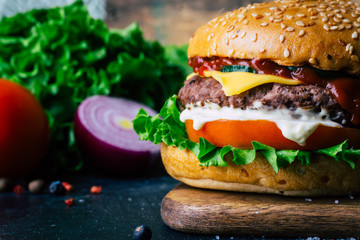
[166,127]
[63,55]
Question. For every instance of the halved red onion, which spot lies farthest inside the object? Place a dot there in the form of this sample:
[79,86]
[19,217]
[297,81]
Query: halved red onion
[103,131]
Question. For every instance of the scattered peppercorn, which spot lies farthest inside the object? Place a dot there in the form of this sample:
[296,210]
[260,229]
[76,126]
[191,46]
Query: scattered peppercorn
[56,188]
[142,232]
[37,186]
[95,189]
[68,186]
[18,189]
[5,184]
[70,201]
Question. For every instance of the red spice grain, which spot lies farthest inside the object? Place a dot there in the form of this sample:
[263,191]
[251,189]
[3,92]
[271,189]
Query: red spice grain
[70,201]
[95,189]
[67,186]
[18,189]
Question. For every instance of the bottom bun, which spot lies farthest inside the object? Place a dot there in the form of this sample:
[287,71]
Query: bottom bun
[324,176]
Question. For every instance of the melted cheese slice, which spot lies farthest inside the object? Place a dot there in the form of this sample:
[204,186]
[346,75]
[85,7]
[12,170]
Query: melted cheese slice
[237,82]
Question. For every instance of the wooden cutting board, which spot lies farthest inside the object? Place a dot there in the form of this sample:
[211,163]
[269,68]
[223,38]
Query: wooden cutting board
[202,211]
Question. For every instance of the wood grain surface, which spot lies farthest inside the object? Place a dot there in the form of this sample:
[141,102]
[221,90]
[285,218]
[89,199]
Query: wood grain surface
[194,210]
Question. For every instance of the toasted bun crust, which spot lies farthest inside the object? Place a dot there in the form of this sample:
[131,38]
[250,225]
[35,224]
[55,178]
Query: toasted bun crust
[324,176]
[324,34]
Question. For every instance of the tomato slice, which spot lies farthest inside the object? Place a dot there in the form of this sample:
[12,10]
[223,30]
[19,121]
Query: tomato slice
[240,134]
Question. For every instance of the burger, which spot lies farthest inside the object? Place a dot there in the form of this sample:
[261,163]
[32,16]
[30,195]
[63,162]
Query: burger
[272,105]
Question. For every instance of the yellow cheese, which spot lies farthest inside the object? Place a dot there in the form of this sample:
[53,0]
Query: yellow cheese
[237,82]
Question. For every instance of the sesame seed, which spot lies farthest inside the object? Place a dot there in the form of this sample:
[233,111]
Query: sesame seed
[345,20]
[290,29]
[326,27]
[241,17]
[286,53]
[333,28]
[257,16]
[254,15]
[300,23]
[214,46]
[301,33]
[245,22]
[262,50]
[271,18]
[356,24]
[313,12]
[355,35]
[325,19]
[234,36]
[282,38]
[341,42]
[216,24]
[314,17]
[358,19]
[282,25]
[208,38]
[351,49]
[301,15]
[310,23]
[337,11]
[223,23]
[267,14]
[289,16]
[231,52]
[277,20]
[322,14]
[254,38]
[242,34]
[341,27]
[230,28]
[264,24]
[338,20]
[347,47]
[339,15]
[349,26]
[354,58]
[312,61]
[273,8]
[226,41]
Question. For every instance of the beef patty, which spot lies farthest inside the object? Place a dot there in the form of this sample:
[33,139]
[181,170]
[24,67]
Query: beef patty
[272,96]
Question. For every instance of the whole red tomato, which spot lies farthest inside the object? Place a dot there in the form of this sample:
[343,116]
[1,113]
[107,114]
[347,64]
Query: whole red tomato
[24,130]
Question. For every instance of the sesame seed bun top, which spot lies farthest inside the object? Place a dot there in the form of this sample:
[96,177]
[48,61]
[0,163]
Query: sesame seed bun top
[322,33]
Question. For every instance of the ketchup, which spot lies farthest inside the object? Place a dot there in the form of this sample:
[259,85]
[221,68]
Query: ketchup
[345,89]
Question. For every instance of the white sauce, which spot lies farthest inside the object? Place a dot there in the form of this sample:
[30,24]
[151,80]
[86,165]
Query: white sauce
[295,125]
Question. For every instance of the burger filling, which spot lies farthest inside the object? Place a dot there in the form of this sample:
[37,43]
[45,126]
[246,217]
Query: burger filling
[299,100]
[297,110]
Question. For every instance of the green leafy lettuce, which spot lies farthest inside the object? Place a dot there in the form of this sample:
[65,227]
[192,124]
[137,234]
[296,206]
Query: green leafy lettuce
[168,128]
[63,55]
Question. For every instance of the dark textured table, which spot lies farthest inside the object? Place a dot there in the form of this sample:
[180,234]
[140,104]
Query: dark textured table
[123,204]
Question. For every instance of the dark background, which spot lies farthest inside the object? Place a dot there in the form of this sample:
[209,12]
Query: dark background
[169,21]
